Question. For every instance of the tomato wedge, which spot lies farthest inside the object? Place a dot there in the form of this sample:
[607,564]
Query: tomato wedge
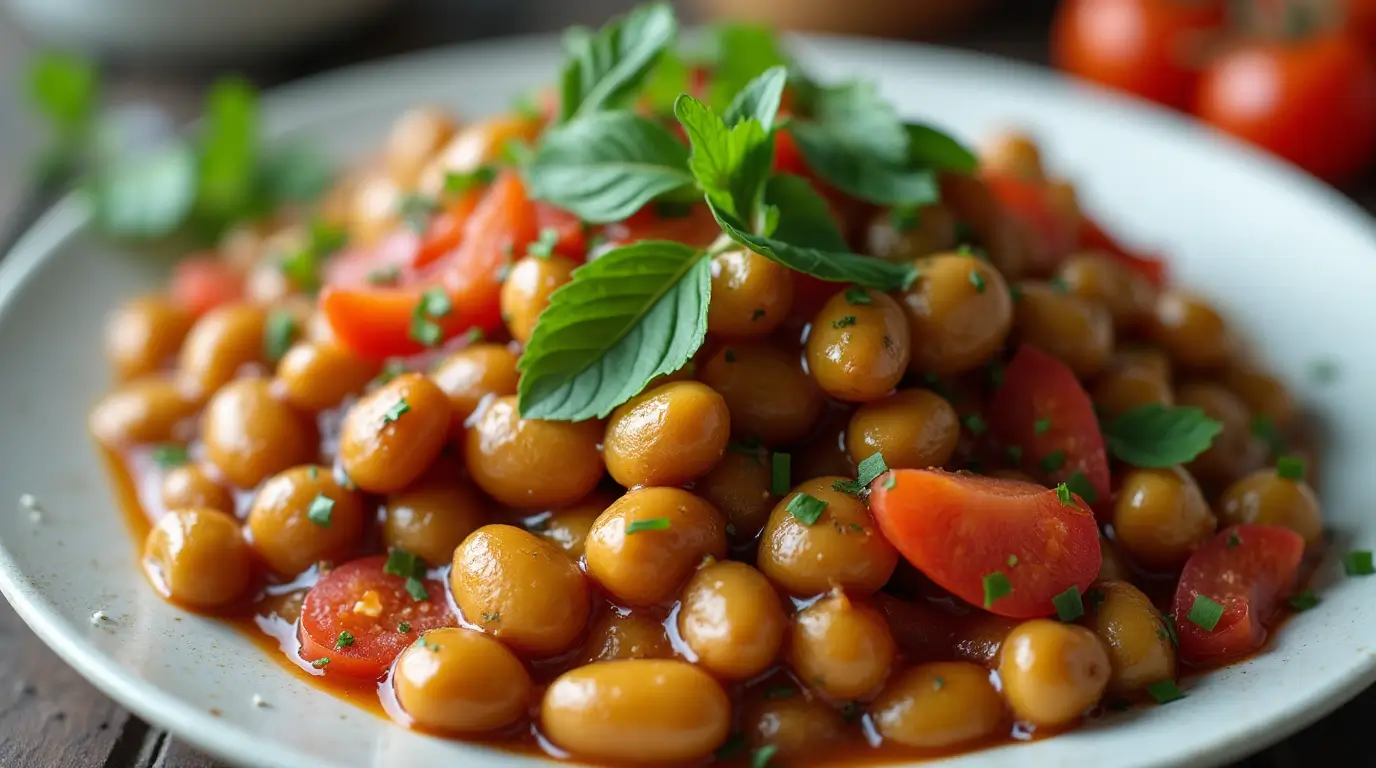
[373,607]
[376,321]
[959,528]
[1054,232]
[1094,237]
[202,283]
[445,231]
[571,236]
[1246,569]
[1042,416]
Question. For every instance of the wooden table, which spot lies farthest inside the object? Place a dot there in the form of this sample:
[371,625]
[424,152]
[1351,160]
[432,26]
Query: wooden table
[51,718]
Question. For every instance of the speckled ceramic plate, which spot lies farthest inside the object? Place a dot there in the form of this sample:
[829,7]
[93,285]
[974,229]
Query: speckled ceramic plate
[1290,261]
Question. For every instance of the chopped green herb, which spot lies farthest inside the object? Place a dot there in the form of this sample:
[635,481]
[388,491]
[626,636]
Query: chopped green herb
[757,314]
[1358,563]
[1264,429]
[1012,561]
[404,627]
[781,692]
[321,662]
[650,524]
[1014,453]
[749,448]
[278,334]
[388,275]
[1303,601]
[761,756]
[1234,540]
[807,509]
[996,585]
[1080,486]
[868,471]
[458,183]
[313,473]
[890,482]
[436,303]
[1168,623]
[938,683]
[416,589]
[169,455]
[1205,613]
[1069,605]
[491,617]
[404,564]
[1063,494]
[780,470]
[1041,426]
[390,370]
[543,247]
[322,507]
[1165,691]
[1290,467]
[344,640]
[1052,461]
[426,331]
[977,280]
[395,412]
[415,211]
[857,296]
[975,423]
[843,322]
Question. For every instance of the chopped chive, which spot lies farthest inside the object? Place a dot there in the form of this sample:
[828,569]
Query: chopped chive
[321,662]
[1063,494]
[313,473]
[492,617]
[1053,461]
[1358,563]
[650,524]
[416,589]
[1080,486]
[1069,605]
[760,757]
[996,585]
[321,508]
[843,322]
[1290,467]
[436,303]
[278,334]
[807,509]
[977,280]
[871,468]
[1205,613]
[425,331]
[1304,600]
[169,455]
[1234,540]
[1041,426]
[1012,561]
[780,470]
[858,296]
[757,314]
[1168,622]
[1165,691]
[395,412]
[404,627]
[458,183]
[543,247]
[404,564]
[975,423]
[344,640]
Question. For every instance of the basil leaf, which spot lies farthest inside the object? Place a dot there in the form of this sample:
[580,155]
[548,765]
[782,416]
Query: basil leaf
[931,148]
[743,53]
[805,219]
[759,99]
[628,316]
[64,89]
[859,120]
[731,165]
[833,266]
[1157,436]
[147,195]
[860,174]
[606,67]
[606,166]
[294,174]
[227,150]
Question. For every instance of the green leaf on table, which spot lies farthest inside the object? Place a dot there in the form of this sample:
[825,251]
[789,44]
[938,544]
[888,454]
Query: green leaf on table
[628,316]
[148,195]
[805,219]
[606,166]
[938,151]
[862,174]
[758,100]
[1157,436]
[731,164]
[64,88]
[606,67]
[742,53]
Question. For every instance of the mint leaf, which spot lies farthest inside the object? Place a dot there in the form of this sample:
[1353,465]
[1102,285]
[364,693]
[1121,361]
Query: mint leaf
[669,77]
[805,219]
[856,117]
[606,166]
[859,173]
[834,266]
[607,66]
[228,147]
[732,164]
[1156,436]
[743,53]
[759,99]
[930,148]
[147,195]
[628,316]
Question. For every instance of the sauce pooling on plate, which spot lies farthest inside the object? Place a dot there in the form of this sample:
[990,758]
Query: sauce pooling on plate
[736,428]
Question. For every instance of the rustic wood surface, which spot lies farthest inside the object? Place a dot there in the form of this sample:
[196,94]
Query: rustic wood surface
[51,718]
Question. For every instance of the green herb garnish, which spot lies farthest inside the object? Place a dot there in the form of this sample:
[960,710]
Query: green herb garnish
[1205,613]
[344,640]
[1290,467]
[321,509]
[996,585]
[1165,691]
[650,524]
[1358,563]
[1069,605]
[807,509]
[780,472]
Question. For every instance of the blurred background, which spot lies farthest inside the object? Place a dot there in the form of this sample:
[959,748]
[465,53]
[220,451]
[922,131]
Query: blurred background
[1297,77]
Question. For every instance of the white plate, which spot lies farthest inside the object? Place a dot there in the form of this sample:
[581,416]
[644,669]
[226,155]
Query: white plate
[1290,262]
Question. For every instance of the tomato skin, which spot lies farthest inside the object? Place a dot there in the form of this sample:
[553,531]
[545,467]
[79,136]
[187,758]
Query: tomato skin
[329,609]
[1038,386]
[375,321]
[1094,238]
[202,283]
[446,230]
[1054,232]
[1249,570]
[572,235]
[697,228]
[958,528]
[1143,47]
[1270,94]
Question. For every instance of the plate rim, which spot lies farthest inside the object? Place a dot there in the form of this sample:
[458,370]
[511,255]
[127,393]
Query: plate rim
[71,215]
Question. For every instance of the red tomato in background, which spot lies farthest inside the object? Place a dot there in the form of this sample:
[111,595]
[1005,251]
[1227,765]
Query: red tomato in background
[372,606]
[376,321]
[959,528]
[1150,48]
[1039,388]
[202,283]
[1247,569]
[1311,101]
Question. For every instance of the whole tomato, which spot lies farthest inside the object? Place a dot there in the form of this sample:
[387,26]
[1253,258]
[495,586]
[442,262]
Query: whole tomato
[1311,100]
[1152,48]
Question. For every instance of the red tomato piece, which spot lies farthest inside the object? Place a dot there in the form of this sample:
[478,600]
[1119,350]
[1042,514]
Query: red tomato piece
[1093,237]
[372,607]
[1043,414]
[697,228]
[446,230]
[572,234]
[959,528]
[787,157]
[1054,233]
[376,321]
[1269,92]
[388,261]
[202,283]
[1248,570]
